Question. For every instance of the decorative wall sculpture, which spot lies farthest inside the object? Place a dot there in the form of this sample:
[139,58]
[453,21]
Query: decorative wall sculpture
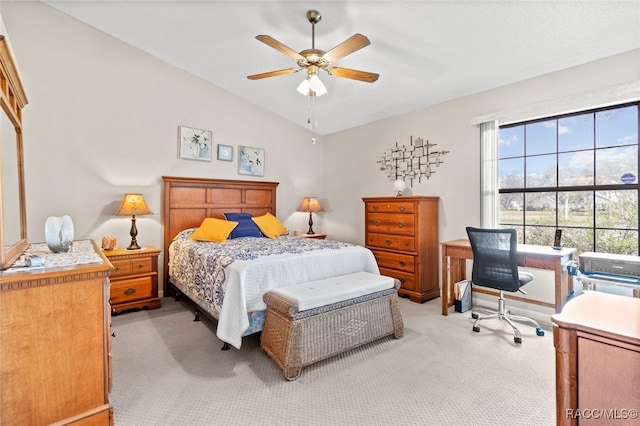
[411,162]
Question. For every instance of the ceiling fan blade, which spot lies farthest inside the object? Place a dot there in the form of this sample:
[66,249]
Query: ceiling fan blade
[270,41]
[365,76]
[350,45]
[273,73]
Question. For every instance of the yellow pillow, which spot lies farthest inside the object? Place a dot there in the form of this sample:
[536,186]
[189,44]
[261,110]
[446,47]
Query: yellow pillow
[269,225]
[215,230]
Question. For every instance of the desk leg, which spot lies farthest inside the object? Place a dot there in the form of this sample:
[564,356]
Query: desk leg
[453,270]
[564,285]
[446,279]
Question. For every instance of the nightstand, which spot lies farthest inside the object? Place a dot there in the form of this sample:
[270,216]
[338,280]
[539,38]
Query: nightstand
[134,279]
[316,235]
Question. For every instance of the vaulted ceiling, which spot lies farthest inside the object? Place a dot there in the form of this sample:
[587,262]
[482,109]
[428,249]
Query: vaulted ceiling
[426,52]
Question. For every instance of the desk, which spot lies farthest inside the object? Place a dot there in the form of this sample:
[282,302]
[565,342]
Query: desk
[454,268]
[597,343]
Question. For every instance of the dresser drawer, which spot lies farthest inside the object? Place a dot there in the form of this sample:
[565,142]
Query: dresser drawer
[401,224]
[377,222]
[131,266]
[407,279]
[391,241]
[407,243]
[128,290]
[384,240]
[391,207]
[401,262]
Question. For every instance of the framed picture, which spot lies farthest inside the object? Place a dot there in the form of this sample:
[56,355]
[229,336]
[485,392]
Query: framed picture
[225,152]
[194,144]
[250,161]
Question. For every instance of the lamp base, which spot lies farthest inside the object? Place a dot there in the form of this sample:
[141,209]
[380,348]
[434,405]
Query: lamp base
[134,233]
[134,246]
[310,231]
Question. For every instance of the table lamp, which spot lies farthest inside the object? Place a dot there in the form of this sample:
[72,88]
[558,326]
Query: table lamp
[311,205]
[133,204]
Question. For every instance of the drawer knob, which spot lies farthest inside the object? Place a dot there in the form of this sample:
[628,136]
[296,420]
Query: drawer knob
[403,280]
[377,223]
[375,208]
[401,208]
[140,266]
[129,291]
[400,225]
[388,242]
[402,263]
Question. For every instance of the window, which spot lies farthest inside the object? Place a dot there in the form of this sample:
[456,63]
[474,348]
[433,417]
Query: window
[577,172]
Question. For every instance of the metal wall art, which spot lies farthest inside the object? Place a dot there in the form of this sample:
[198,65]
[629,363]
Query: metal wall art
[411,162]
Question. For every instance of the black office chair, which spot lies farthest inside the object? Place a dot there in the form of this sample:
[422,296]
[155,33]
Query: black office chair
[495,265]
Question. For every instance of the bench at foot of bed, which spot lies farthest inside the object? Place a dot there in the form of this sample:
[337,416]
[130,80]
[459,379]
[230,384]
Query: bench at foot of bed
[309,322]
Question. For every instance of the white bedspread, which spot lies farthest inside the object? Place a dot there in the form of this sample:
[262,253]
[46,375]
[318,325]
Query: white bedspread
[245,281]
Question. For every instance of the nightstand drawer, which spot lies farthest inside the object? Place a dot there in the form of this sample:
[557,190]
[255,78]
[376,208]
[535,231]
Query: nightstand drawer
[131,266]
[128,290]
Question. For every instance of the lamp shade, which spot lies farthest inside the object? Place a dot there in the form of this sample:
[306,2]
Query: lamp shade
[312,85]
[311,205]
[133,205]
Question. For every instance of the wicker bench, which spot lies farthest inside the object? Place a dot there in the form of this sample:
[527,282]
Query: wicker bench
[309,322]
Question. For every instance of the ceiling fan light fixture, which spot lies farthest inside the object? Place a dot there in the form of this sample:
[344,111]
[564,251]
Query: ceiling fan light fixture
[316,85]
[312,86]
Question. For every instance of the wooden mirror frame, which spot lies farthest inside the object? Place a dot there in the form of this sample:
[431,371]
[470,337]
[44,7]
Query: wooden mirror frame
[12,100]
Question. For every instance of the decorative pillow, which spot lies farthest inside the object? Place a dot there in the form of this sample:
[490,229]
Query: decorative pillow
[246,227]
[215,230]
[270,225]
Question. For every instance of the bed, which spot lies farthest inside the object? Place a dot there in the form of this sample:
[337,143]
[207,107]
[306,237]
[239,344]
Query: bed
[227,280]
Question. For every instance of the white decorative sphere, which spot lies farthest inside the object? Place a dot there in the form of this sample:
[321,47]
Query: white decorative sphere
[399,186]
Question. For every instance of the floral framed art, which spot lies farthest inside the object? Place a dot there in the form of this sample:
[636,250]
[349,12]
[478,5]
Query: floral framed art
[225,152]
[194,144]
[250,161]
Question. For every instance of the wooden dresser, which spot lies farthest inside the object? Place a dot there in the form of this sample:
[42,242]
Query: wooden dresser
[134,280]
[597,342]
[55,341]
[402,232]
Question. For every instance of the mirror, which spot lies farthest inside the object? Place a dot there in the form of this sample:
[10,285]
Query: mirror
[13,223]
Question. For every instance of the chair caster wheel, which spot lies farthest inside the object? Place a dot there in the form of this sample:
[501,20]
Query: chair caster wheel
[476,329]
[517,339]
[539,332]
[474,315]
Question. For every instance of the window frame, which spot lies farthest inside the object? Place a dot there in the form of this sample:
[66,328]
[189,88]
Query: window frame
[557,189]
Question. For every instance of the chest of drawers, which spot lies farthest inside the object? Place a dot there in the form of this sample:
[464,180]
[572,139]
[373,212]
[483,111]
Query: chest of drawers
[55,340]
[402,232]
[134,279]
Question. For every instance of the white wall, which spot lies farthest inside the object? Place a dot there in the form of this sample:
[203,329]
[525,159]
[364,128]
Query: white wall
[103,120]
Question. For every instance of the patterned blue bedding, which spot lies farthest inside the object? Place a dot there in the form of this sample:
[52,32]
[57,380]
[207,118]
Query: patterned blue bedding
[201,270]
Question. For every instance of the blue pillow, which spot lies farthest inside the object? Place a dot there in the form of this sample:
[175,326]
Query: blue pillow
[246,227]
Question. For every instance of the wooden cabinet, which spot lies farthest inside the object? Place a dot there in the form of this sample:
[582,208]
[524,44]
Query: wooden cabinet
[597,342]
[402,232]
[55,340]
[134,280]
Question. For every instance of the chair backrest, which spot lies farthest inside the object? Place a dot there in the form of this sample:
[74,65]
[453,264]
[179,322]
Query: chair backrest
[495,258]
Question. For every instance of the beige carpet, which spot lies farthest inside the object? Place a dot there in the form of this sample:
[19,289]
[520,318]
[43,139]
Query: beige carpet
[169,370]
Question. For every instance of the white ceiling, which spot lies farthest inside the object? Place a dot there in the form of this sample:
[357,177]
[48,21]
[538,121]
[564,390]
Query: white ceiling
[426,52]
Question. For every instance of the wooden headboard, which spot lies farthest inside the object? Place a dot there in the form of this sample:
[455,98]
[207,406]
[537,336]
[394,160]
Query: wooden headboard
[186,202]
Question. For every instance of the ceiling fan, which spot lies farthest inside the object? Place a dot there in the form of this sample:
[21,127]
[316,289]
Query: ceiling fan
[314,60]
